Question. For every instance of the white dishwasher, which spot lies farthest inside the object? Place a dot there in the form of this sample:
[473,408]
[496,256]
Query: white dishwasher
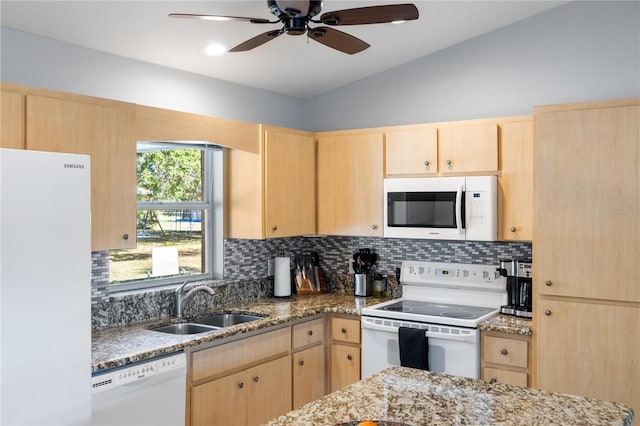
[151,392]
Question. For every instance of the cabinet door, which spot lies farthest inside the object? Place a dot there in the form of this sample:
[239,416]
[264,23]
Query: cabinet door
[345,366]
[468,148]
[269,391]
[589,349]
[221,402]
[515,184]
[12,120]
[106,134]
[350,189]
[587,236]
[290,184]
[411,152]
[509,377]
[308,375]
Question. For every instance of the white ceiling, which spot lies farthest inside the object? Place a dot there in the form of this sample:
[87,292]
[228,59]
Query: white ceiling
[290,65]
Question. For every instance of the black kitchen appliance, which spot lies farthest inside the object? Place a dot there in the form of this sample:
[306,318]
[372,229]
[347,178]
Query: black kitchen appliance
[519,287]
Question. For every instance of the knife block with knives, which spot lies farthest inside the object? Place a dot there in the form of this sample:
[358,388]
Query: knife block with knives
[308,277]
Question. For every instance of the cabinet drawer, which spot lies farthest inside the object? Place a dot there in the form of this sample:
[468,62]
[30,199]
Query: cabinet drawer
[233,355]
[510,352]
[345,330]
[308,333]
[504,376]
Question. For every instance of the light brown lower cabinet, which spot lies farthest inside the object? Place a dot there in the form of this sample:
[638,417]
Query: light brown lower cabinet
[308,371]
[249,397]
[344,352]
[506,358]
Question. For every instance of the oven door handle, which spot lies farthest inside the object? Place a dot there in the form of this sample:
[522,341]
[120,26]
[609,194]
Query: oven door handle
[393,329]
[459,209]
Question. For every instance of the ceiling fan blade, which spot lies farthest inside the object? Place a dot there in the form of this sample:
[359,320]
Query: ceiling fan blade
[337,40]
[221,18]
[256,41]
[371,15]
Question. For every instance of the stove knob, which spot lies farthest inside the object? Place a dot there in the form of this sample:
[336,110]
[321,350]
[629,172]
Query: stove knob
[421,270]
[412,270]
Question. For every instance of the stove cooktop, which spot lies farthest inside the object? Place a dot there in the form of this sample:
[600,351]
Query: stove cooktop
[418,307]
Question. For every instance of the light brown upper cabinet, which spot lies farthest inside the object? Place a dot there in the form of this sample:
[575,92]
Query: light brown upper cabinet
[350,188]
[515,183]
[105,131]
[411,152]
[12,120]
[468,148]
[272,193]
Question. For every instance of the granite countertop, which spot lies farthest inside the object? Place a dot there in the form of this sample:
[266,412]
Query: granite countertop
[508,324]
[404,396]
[114,347]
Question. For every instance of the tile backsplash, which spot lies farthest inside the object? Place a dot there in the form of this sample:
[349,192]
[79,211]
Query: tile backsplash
[245,259]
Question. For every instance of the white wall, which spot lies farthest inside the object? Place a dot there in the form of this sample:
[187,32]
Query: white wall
[577,52]
[41,62]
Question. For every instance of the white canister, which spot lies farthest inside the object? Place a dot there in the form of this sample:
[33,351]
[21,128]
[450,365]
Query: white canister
[282,285]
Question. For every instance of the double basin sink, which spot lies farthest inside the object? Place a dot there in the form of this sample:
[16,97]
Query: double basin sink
[213,322]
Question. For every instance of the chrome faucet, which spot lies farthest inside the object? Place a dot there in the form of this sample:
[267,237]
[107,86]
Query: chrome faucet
[182,298]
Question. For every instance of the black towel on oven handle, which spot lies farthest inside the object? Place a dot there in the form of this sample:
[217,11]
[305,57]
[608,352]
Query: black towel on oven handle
[414,348]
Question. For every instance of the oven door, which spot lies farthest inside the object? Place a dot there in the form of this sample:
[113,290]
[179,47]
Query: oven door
[452,350]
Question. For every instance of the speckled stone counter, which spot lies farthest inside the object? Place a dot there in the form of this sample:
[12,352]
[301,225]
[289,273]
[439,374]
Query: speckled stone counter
[508,324]
[114,347]
[414,397]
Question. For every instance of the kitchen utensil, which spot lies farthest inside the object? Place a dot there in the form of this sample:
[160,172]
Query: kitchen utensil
[311,275]
[316,268]
[298,272]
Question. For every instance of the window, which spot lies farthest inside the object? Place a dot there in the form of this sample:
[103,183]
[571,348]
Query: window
[179,217]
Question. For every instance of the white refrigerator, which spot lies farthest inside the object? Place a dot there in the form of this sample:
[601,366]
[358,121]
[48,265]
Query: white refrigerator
[45,288]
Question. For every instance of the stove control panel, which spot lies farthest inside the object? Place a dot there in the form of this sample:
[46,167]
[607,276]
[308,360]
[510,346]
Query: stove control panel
[451,274]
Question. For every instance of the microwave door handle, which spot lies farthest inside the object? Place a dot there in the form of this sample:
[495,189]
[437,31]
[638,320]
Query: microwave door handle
[459,209]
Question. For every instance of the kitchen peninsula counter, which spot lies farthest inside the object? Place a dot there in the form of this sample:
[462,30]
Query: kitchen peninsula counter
[405,396]
[119,346]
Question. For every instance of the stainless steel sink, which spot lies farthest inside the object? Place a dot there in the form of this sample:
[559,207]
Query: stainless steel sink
[227,319]
[184,328]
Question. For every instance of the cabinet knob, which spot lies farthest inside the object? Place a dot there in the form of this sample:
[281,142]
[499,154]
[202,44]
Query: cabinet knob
[374,227]
[504,352]
[275,228]
[310,333]
[448,162]
[349,357]
[301,362]
[512,229]
[547,313]
[125,237]
[241,385]
[344,330]
[426,163]
[256,379]
[548,283]
[494,380]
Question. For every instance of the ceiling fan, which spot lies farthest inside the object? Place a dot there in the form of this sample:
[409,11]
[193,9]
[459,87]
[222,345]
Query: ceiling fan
[295,16]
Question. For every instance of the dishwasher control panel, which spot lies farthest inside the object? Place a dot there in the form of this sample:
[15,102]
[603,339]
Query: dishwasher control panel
[120,376]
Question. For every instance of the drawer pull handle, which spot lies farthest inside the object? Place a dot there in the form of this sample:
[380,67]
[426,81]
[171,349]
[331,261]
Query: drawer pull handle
[344,330]
[504,352]
[256,379]
[426,163]
[301,362]
[494,380]
[125,237]
[274,228]
[547,313]
[241,385]
[349,357]
[512,229]
[310,332]
[548,283]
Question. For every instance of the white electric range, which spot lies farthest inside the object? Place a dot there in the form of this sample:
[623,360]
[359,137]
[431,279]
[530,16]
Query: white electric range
[447,301]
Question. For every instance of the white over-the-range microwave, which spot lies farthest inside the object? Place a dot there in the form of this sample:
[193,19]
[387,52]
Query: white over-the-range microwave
[443,208]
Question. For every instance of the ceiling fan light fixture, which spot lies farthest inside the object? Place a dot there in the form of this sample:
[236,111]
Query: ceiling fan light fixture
[214,49]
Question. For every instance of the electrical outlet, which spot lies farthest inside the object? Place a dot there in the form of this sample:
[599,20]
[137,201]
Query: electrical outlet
[270,267]
[350,263]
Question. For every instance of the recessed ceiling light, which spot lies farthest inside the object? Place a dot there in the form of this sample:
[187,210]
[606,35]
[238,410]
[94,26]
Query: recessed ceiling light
[214,49]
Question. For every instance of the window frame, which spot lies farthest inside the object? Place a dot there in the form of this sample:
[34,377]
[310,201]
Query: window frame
[213,203]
